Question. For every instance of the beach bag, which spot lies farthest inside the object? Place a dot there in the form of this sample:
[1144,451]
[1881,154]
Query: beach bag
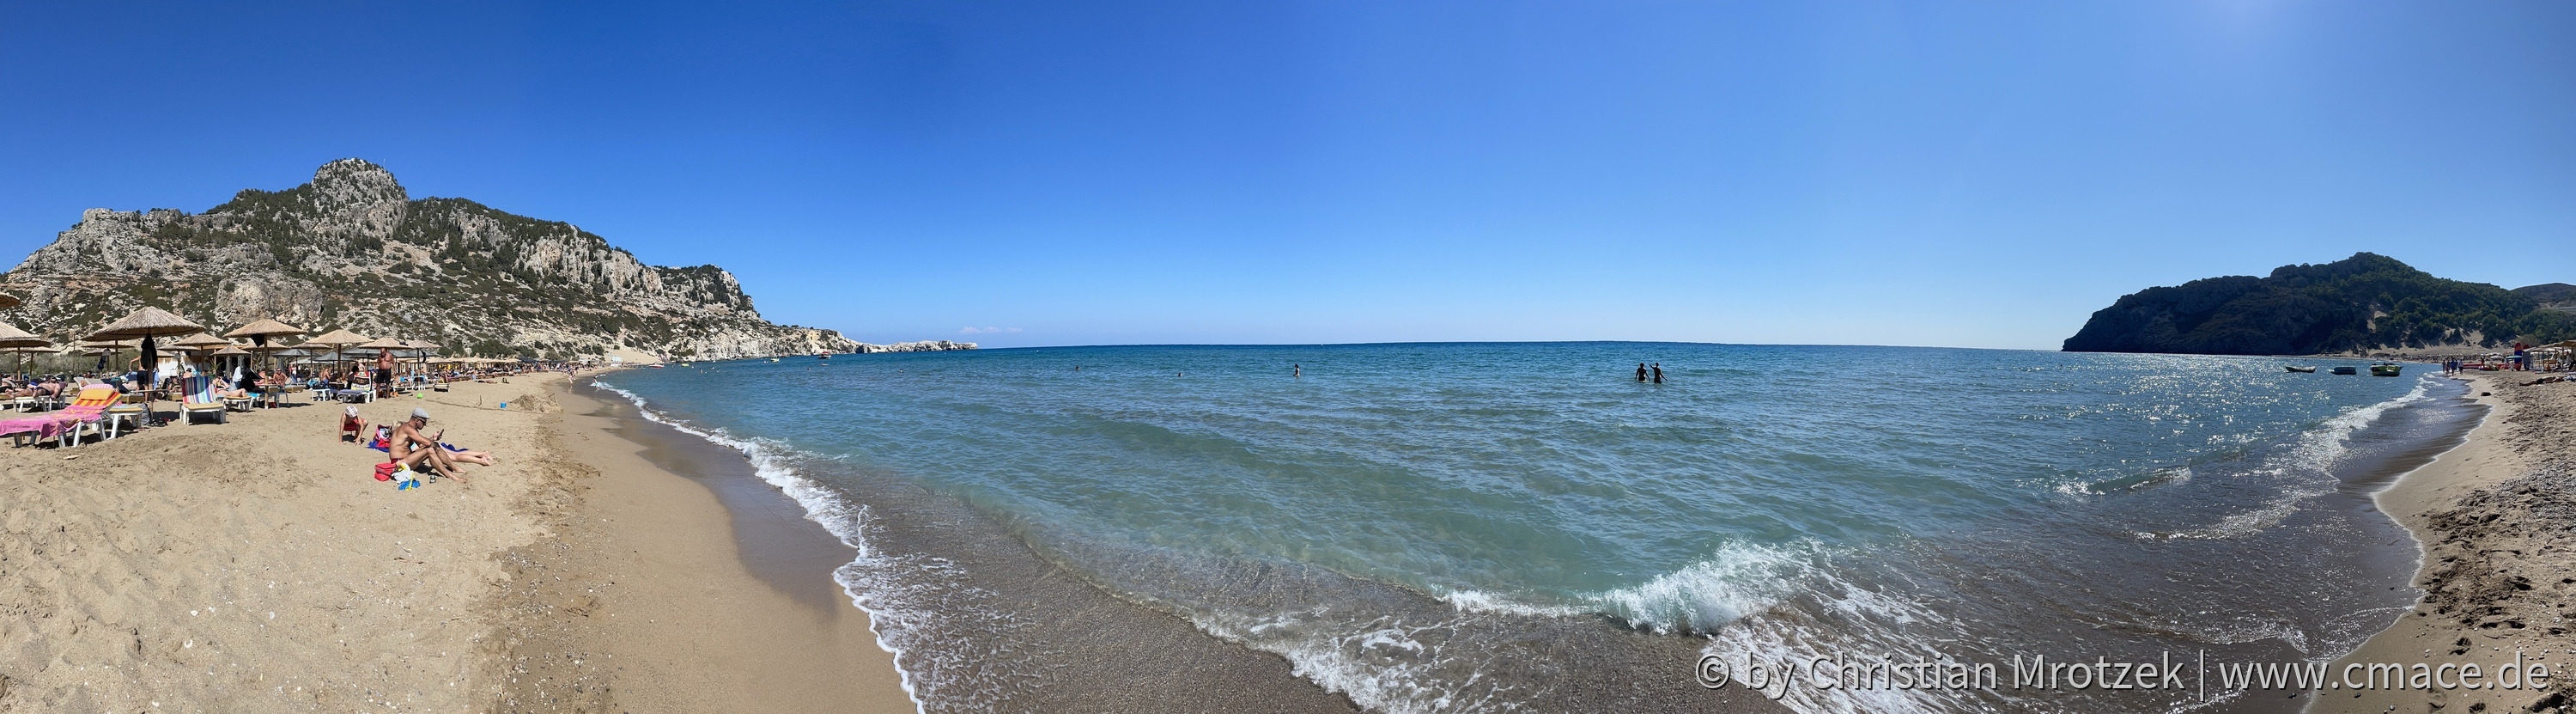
[385,471]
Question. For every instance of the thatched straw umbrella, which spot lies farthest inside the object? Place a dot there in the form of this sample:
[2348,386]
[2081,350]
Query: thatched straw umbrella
[200,346]
[201,342]
[336,340]
[16,340]
[259,331]
[264,334]
[145,324]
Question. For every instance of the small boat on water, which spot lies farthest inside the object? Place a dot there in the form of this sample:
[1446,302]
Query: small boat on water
[825,357]
[2346,370]
[2385,369]
[773,359]
[2302,370]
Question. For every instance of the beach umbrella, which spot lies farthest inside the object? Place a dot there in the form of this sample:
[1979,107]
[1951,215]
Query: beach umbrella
[22,353]
[200,344]
[262,330]
[17,340]
[337,340]
[272,349]
[264,333]
[146,324]
[11,336]
[103,347]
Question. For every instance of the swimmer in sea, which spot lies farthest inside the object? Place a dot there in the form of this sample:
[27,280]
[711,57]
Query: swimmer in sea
[1641,371]
[1659,373]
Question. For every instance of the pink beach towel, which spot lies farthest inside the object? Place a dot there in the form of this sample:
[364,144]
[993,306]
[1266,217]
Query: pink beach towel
[51,425]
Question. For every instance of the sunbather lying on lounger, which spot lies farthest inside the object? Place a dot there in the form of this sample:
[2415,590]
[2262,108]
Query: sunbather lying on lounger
[412,449]
[35,389]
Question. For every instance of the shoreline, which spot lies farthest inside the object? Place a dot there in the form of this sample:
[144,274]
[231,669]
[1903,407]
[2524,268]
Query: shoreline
[2471,512]
[675,593]
[1063,641]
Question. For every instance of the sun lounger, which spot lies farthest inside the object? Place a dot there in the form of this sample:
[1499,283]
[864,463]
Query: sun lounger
[65,426]
[200,399]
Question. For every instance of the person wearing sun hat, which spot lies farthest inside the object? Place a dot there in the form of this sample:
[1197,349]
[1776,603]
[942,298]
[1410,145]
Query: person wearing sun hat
[353,428]
[409,448]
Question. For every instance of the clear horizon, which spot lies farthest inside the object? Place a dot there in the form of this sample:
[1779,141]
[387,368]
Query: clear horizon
[1337,173]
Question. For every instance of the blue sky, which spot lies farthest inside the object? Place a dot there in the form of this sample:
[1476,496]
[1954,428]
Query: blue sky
[1957,174]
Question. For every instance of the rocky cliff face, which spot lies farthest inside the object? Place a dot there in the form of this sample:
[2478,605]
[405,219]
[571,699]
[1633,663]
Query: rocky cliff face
[2551,296]
[353,249]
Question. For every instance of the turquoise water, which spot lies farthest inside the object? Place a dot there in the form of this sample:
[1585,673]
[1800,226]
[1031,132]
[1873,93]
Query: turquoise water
[1763,499]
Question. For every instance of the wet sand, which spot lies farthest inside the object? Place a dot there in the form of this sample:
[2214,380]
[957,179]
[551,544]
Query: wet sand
[680,586]
[2496,518]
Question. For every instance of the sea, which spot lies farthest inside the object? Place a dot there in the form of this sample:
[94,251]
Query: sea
[1528,527]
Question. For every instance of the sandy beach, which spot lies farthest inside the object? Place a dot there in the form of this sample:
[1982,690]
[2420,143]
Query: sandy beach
[2497,520]
[257,566]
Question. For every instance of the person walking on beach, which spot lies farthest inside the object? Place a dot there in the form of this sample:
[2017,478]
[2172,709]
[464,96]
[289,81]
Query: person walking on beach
[1641,371]
[1659,373]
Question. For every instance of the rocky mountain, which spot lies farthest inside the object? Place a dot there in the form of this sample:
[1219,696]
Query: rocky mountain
[353,249]
[2551,296]
[2364,303]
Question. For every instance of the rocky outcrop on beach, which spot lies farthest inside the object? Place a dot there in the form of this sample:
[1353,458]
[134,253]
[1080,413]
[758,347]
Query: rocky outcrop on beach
[2362,304]
[353,249]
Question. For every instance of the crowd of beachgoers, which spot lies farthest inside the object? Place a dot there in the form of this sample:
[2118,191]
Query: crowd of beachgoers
[212,377]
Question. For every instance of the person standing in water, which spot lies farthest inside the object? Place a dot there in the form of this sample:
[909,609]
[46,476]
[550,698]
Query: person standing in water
[1641,371]
[1659,373]
[1297,371]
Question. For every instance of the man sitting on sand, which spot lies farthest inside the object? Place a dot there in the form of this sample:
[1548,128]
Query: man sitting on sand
[411,449]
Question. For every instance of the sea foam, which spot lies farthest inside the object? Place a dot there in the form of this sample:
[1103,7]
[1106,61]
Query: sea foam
[864,579]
